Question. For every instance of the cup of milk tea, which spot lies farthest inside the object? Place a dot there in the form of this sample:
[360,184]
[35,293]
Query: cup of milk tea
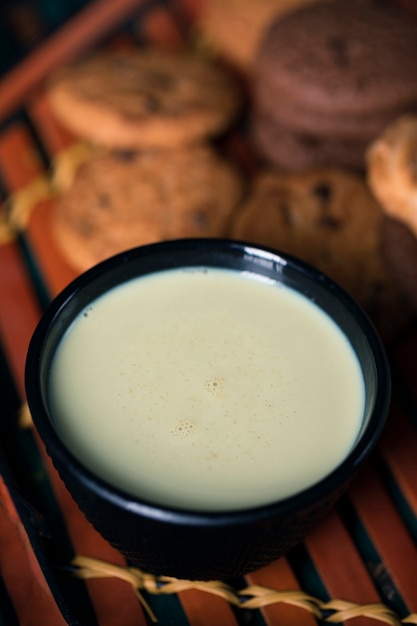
[206,401]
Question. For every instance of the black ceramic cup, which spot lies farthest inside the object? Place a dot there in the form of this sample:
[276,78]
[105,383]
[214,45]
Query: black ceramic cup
[184,543]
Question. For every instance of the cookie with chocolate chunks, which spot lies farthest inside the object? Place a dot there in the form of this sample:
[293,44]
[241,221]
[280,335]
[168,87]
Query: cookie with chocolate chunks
[144,98]
[120,200]
[329,218]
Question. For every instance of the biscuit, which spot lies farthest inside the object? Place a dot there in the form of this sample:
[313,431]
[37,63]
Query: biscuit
[350,57]
[340,71]
[328,218]
[392,170]
[121,200]
[145,98]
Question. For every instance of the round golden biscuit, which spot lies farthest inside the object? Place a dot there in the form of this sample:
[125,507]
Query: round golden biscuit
[392,170]
[145,98]
[121,200]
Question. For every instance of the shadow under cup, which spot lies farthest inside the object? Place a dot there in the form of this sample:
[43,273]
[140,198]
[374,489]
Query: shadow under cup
[204,545]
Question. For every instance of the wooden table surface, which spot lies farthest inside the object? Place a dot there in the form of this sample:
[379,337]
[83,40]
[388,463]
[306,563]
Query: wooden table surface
[364,554]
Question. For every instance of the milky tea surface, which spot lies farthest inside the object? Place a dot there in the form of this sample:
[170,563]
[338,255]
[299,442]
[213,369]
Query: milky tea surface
[207,390]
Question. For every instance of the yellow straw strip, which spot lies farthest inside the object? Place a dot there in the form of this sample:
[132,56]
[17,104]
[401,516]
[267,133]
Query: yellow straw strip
[24,417]
[7,234]
[18,207]
[251,597]
[66,163]
[262,596]
[91,568]
[348,610]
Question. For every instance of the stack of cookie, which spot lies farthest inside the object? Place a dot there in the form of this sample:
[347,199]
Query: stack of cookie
[153,173]
[328,78]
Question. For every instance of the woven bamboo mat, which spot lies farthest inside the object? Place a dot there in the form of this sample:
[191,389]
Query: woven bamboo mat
[359,566]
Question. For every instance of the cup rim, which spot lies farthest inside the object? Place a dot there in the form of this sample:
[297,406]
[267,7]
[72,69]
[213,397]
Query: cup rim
[320,490]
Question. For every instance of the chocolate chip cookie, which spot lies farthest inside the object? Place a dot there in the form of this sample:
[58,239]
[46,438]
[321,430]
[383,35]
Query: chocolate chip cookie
[145,98]
[329,218]
[121,200]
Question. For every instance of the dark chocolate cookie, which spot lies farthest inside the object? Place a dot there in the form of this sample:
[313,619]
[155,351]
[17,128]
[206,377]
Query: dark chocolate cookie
[293,150]
[352,61]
